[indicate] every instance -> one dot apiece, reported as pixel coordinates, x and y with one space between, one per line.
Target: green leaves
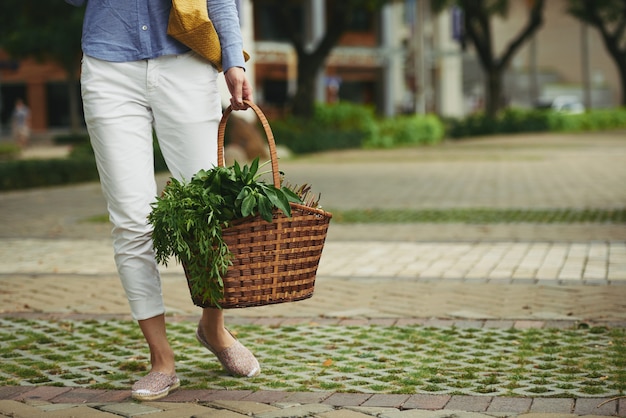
188 219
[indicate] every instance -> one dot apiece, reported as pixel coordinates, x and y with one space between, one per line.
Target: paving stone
432 402
215 413
595 406
516 405
189 395
112 396
11 392
469 403
43 392
56 406
297 411
130 409
184 411
79 395
402 322
354 322
621 407
370 410
499 324
306 397
552 405
386 400
439 323
228 395
17 409
343 413
243 407
474 324
528 324
78 411
417 413
269 322
38 403
267 396
347 399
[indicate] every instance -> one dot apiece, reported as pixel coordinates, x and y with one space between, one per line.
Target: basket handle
268 133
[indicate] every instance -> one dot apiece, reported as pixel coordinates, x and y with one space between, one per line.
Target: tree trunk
74 103
622 75
303 102
493 99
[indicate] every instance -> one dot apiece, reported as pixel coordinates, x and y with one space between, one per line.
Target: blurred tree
477 16
339 14
46 30
609 18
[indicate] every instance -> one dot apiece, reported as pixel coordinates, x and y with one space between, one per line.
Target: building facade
402 59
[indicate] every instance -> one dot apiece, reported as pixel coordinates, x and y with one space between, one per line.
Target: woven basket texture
273 262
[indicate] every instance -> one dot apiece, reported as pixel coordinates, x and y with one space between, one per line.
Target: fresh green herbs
188 219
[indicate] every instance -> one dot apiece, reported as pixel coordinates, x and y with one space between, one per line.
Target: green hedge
80 166
519 120
9 151
408 130
22 174
337 126
71 139
348 125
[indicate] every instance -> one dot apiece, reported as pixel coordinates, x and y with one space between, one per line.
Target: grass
468 216
410 359
480 216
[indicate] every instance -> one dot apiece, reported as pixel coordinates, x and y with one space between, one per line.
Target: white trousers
177 96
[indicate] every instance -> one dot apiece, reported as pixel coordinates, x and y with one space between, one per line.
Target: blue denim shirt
131 30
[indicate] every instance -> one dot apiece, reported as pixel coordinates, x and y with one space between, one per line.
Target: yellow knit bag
189 24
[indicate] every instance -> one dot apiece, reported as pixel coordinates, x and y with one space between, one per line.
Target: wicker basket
272 262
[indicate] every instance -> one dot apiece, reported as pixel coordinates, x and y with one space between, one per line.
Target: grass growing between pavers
468 216
371 359
480 216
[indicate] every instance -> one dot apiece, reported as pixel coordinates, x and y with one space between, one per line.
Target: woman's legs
212 326
178 96
161 353
187 110
119 120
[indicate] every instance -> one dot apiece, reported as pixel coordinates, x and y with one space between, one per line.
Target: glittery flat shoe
154 385
236 359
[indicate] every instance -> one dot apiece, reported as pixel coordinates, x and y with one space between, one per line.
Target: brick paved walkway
499 273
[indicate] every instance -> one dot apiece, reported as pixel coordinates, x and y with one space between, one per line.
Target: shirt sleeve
223 14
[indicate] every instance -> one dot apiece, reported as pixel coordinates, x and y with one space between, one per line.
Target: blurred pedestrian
20 123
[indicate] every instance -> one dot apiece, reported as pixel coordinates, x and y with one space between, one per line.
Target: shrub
9 151
517 120
80 166
408 130
71 139
21 174
337 126
303 137
345 116
522 120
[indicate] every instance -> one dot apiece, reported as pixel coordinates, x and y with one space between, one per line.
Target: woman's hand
239 87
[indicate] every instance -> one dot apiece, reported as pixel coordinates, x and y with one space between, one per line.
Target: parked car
564 104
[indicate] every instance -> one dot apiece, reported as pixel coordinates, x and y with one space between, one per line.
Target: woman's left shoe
236 359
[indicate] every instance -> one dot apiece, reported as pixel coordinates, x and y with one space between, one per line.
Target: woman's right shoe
236 359
154 385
